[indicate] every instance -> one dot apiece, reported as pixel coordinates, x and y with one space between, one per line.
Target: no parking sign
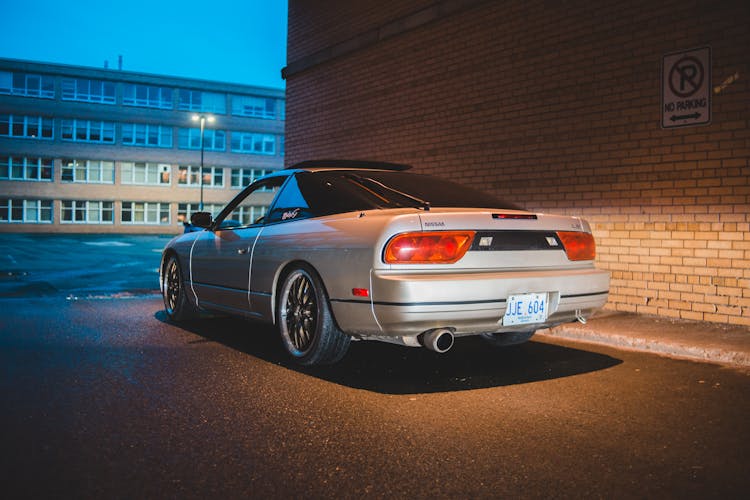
686 88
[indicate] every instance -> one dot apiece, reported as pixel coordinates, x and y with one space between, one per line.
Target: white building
102 150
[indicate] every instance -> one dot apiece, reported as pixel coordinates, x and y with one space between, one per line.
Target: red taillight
437 247
578 245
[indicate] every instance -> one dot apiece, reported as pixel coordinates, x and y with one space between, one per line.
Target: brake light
515 216
437 247
578 245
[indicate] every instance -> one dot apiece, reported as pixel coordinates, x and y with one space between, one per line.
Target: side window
251 206
291 204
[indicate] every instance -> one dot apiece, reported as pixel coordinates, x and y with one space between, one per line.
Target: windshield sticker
291 214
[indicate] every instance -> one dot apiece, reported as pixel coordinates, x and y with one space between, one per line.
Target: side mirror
201 219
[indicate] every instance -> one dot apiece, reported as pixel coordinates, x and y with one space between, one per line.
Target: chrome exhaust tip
438 340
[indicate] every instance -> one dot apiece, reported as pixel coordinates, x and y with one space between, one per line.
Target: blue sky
241 41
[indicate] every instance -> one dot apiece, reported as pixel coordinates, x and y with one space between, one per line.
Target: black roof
354 164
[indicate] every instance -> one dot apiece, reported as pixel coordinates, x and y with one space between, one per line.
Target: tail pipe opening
438 340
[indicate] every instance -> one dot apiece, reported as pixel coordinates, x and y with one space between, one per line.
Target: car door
282 238
221 258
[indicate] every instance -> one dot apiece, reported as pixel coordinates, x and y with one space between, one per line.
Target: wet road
105 398
79 265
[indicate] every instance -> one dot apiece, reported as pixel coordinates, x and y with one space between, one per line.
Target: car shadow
393 369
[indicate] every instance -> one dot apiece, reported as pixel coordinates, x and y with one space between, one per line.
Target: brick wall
555 105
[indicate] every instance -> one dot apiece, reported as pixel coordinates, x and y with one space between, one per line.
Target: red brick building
556 105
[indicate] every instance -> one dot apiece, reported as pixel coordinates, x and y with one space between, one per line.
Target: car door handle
242 251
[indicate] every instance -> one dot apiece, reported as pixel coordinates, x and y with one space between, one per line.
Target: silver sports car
333 251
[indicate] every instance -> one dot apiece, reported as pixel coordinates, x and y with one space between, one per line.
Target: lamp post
202 119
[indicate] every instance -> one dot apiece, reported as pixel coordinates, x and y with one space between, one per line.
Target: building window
80 89
88 171
213 140
146 173
186 210
26 169
207 102
142 134
241 177
26 84
248 214
190 175
28 211
258 107
282 109
88 131
281 145
259 144
87 212
134 212
147 96
30 127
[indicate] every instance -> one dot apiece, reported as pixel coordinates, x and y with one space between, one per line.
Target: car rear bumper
407 304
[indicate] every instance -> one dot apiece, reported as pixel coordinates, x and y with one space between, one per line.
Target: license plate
526 309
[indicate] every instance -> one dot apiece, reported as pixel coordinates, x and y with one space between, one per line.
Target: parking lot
79 265
103 396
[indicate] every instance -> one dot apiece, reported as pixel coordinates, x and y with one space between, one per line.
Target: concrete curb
696 341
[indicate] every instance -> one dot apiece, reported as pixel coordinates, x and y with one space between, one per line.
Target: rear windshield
341 191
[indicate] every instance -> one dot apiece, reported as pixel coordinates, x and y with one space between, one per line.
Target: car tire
507 338
306 325
176 303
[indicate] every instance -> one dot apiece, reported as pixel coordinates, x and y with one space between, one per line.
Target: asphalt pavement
107 398
79 265
104 397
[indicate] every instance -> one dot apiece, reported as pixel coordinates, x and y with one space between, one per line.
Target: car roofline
331 164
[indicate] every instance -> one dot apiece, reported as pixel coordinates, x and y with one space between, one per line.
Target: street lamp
202 119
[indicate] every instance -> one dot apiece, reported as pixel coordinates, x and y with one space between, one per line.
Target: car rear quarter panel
342 249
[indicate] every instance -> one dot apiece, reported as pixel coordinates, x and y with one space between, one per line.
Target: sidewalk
698 341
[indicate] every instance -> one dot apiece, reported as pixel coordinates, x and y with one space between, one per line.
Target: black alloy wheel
176 303
308 330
